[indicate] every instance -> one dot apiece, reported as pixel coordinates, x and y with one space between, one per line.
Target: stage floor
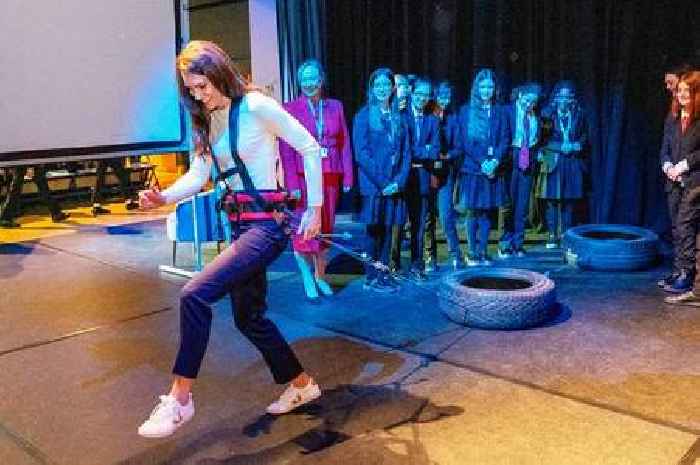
90 328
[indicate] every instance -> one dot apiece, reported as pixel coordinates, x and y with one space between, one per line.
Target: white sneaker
294 397
167 417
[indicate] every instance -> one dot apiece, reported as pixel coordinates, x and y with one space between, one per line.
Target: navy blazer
476 150
512 123
450 136
578 131
380 160
425 148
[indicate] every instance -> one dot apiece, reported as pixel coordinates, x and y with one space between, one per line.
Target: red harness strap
242 207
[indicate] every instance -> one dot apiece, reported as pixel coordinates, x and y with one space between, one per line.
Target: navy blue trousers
239 271
515 216
478 225
377 246
448 215
417 206
555 223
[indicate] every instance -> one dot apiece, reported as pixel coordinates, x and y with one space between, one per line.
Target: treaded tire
611 247
480 307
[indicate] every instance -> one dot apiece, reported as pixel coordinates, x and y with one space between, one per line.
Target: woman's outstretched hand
151 198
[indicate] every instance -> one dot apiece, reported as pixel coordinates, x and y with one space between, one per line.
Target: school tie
524 155
684 123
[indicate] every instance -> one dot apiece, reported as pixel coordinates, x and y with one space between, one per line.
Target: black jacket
677 147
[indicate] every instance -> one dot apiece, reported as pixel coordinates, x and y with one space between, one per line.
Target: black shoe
520 252
688 298
9 224
668 280
504 252
100 210
369 282
389 280
60 216
472 259
131 204
418 275
552 242
682 284
384 285
485 259
457 263
431 266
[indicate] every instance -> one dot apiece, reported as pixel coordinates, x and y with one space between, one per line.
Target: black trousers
239 271
673 198
117 165
431 217
10 207
685 229
378 242
417 209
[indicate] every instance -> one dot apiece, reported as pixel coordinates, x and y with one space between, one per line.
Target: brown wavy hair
208 59
693 80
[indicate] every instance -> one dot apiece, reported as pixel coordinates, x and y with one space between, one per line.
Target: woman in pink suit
325 120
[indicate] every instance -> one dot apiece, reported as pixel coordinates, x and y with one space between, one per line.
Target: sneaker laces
290 394
166 402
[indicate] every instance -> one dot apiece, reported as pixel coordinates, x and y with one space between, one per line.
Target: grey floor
89 329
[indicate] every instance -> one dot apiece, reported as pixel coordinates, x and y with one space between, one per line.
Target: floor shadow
344 263
349 416
560 314
354 424
349 423
12 256
123 230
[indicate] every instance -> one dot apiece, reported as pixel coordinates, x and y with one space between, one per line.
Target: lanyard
318 119
565 130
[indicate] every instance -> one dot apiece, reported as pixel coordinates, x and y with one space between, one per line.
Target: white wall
264 49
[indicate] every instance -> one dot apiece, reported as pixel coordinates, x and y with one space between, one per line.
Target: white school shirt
261 121
519 129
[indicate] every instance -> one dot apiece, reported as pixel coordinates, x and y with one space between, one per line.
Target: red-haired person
682 168
668 157
214 91
324 118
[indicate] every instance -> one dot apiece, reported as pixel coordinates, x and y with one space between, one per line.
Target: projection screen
83 79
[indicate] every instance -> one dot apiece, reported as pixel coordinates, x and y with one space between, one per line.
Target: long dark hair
208 59
433 105
483 74
475 102
375 114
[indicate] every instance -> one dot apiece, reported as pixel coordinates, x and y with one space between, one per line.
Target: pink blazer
336 139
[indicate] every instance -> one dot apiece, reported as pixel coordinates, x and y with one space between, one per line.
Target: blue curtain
301 35
616 51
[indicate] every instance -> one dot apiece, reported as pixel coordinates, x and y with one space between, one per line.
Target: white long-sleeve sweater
261 121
